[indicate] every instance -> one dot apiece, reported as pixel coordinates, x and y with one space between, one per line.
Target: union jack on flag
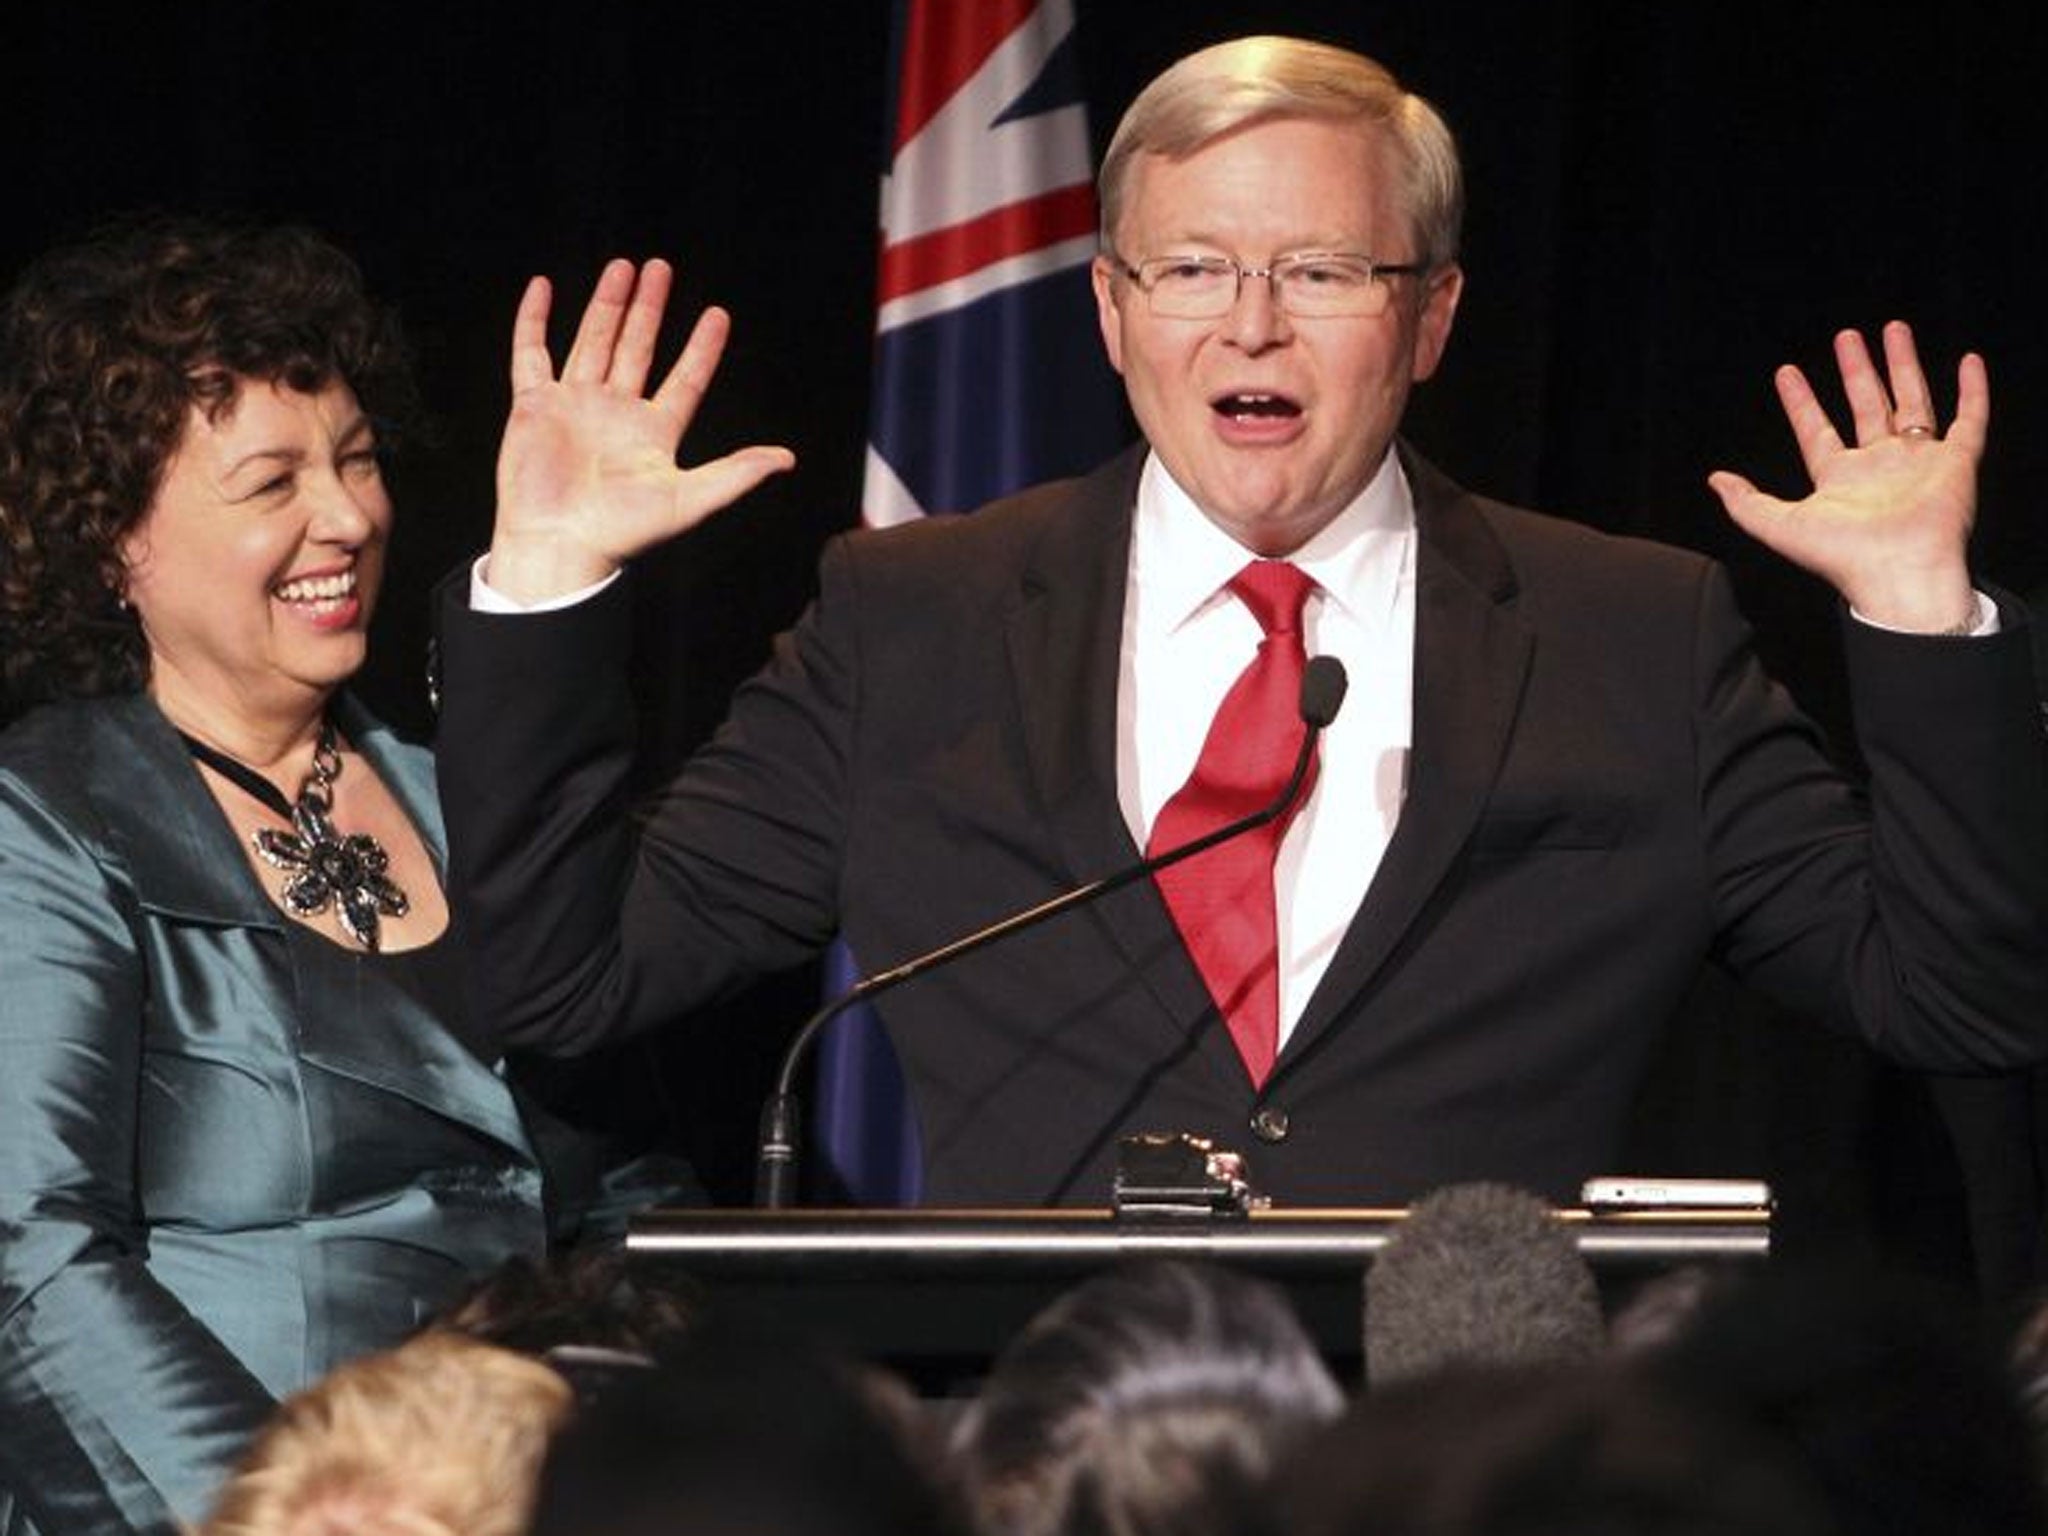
989 373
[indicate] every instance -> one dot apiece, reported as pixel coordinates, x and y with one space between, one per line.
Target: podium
936 1293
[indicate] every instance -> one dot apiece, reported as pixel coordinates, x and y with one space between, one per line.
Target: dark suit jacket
215 1182
1604 789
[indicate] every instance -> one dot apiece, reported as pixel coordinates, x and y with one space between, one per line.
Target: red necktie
1222 899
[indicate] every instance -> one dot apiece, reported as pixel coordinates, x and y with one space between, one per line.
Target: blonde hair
442 1436
1232 85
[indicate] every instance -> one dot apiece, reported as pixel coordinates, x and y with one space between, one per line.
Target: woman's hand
587 471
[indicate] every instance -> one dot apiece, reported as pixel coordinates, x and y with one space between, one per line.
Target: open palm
587 471
1888 520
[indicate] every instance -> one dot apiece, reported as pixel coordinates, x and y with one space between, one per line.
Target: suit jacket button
1269 1124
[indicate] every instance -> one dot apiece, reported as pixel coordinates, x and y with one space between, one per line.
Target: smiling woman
277 505
245 1132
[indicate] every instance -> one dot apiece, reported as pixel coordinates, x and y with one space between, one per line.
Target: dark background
1666 202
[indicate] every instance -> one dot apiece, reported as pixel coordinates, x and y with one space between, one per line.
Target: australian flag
989 373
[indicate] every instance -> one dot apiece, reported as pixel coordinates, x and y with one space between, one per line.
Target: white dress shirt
1185 641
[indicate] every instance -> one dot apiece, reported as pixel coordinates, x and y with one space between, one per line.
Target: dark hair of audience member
584 1313
1892 1393
1478 1275
735 1431
1549 1450
1147 1401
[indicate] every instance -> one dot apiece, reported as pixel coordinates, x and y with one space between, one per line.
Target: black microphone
1322 694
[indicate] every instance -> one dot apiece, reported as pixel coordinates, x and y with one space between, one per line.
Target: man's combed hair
106 348
1255 79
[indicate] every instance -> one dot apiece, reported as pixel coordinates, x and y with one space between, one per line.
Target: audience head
108 348
1147 1401
1543 1451
441 1436
1478 1275
1890 1393
738 1433
1254 79
583 1313
2029 1363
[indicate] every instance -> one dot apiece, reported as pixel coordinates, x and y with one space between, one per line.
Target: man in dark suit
1560 782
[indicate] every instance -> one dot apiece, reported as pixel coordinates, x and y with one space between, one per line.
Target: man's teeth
1255 405
317 589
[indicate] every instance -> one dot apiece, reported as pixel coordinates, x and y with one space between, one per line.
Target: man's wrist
1982 619
486 597
532 573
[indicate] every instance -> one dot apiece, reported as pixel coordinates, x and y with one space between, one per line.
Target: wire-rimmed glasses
1309 285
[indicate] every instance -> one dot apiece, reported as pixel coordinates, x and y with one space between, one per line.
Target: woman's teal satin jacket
212 1186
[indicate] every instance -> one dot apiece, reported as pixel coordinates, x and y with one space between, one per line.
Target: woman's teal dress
232 1153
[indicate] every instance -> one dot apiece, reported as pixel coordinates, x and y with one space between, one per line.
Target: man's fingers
1757 513
1870 407
633 357
1733 489
1912 405
708 487
590 356
684 387
1811 429
531 364
1973 404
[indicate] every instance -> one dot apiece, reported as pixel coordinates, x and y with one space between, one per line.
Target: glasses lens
1313 286
1189 287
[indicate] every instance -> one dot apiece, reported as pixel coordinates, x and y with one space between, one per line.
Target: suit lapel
1471 661
1064 637
1065 640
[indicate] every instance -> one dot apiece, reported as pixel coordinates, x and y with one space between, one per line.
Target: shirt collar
1181 560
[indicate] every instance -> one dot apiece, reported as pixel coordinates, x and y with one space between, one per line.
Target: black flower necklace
323 867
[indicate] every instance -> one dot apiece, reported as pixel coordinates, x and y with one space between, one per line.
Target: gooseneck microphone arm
1322 693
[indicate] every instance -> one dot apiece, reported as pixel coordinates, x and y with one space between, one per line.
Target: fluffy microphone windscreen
1478 1275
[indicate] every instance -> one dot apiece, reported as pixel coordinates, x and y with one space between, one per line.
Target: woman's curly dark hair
105 348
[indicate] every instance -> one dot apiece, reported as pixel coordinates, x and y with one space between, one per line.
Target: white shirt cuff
485 598
1983 622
